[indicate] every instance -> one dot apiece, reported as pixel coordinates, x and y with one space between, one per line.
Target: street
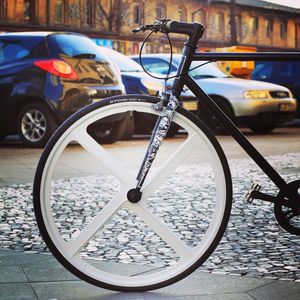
16 159
254 243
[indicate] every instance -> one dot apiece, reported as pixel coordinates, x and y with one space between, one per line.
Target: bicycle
93 225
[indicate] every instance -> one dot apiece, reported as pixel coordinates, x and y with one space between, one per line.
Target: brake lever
142 28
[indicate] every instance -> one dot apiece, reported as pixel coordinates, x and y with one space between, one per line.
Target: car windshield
124 63
209 70
73 45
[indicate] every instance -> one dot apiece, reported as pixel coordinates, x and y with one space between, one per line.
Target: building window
182 14
28 11
160 11
138 12
59 11
297 34
254 25
269 28
220 22
283 29
239 26
88 13
199 17
2 10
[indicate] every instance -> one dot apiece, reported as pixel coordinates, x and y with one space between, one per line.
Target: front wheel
92 228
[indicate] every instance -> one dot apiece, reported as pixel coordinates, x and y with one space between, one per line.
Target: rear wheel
35 124
93 229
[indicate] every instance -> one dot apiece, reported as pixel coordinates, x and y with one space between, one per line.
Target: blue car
45 77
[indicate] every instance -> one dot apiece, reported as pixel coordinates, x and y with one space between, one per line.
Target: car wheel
2 137
107 133
213 124
129 129
35 124
262 128
173 130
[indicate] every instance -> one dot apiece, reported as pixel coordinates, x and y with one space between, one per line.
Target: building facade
259 24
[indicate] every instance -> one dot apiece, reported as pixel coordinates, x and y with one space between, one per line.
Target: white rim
188 255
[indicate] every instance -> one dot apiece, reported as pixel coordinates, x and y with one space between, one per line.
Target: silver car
258 105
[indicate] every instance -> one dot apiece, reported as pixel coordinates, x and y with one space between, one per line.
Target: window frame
61 4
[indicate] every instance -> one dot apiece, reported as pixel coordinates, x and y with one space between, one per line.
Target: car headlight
257 94
151 85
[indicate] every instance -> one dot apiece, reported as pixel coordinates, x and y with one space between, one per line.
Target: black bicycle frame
220 116
225 122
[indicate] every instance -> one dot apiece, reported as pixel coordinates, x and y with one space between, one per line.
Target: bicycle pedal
254 187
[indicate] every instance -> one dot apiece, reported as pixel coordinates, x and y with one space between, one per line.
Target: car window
11 51
21 47
264 70
74 45
289 72
124 63
156 65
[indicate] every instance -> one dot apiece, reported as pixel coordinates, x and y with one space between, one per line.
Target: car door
289 76
11 51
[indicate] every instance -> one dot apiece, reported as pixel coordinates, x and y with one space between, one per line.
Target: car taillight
57 67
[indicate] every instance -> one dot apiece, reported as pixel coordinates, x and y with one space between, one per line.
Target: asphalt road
18 164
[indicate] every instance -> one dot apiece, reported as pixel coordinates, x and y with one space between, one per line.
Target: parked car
137 81
45 77
286 73
258 105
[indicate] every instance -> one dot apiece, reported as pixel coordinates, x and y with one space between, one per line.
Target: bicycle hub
134 195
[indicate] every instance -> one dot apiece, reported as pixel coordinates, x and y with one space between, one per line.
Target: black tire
262 128
35 124
2 137
173 130
212 123
129 129
107 133
40 182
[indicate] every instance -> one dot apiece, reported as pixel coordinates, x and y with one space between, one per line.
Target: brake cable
170 62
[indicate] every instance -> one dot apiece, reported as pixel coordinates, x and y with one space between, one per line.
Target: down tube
236 134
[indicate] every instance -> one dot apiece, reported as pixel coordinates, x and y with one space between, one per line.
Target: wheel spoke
162 230
169 166
30 117
96 150
96 224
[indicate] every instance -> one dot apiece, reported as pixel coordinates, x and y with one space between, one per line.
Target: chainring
287 217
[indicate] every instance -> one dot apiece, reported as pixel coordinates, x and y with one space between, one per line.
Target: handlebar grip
190 29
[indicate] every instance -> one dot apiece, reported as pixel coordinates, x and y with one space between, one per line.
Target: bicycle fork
161 128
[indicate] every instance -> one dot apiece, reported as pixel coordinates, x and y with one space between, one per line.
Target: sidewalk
40 276
25 275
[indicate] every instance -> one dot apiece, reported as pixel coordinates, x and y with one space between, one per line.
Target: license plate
286 107
190 105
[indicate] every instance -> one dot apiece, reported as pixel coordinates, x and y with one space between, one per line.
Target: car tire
212 123
107 133
172 130
129 129
262 128
35 124
2 137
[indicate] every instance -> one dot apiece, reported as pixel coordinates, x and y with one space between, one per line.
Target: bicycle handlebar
194 30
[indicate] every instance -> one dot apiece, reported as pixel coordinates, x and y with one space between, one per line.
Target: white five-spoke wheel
90 226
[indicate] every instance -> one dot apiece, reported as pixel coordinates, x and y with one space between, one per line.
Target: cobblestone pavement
253 245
